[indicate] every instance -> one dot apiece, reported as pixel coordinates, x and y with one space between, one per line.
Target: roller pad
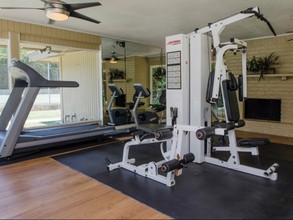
164 134
253 142
175 164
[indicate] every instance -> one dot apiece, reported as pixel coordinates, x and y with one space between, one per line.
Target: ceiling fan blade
83 17
83 5
20 8
53 1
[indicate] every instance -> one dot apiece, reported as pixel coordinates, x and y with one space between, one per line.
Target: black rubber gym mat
203 191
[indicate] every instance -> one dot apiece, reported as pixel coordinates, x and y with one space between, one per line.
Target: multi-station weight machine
191 90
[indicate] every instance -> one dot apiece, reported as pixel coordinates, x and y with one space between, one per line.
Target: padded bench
253 142
158 131
152 128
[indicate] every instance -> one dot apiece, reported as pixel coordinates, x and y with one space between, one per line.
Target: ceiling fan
113 58
57 10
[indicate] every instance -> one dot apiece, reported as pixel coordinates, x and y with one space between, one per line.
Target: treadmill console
140 89
114 88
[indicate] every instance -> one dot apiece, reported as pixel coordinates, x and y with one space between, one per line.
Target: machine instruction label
174 70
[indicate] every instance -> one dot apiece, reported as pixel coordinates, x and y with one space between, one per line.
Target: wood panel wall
48 35
121 83
142 75
83 101
81 67
137 71
273 86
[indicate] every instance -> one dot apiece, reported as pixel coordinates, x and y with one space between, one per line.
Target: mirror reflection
124 64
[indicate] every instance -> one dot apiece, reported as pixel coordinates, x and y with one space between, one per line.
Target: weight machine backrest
229 88
230 100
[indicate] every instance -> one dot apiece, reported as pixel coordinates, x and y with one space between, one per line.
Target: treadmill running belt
57 131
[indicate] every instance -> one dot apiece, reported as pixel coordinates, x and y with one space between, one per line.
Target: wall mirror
125 63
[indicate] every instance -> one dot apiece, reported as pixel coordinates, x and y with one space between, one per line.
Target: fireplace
263 109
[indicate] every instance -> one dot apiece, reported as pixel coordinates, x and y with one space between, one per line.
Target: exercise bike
124 116
143 117
118 116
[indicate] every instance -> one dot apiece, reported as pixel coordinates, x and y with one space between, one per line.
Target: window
158 83
4 86
46 109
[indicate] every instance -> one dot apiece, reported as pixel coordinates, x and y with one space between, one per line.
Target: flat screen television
263 109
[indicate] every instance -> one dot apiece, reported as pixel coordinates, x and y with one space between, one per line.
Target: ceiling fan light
57 14
113 59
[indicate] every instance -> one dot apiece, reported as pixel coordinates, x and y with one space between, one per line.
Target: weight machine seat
152 128
158 108
254 142
130 105
158 131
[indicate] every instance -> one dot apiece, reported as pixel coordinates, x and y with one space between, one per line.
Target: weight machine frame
193 66
151 169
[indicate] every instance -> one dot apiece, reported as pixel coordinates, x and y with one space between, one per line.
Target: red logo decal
174 42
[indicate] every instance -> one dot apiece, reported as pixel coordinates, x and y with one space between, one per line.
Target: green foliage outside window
159 83
40 67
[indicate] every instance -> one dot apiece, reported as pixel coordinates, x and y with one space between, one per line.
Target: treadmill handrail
23 72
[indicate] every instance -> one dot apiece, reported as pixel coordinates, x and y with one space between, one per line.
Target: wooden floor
44 189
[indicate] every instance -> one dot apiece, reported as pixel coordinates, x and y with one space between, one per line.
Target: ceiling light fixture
113 59
47 50
56 12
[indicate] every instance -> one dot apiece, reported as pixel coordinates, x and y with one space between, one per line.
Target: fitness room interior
131 109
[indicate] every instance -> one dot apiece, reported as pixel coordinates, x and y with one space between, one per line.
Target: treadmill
13 139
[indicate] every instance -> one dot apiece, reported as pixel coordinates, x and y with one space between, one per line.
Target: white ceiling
148 22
